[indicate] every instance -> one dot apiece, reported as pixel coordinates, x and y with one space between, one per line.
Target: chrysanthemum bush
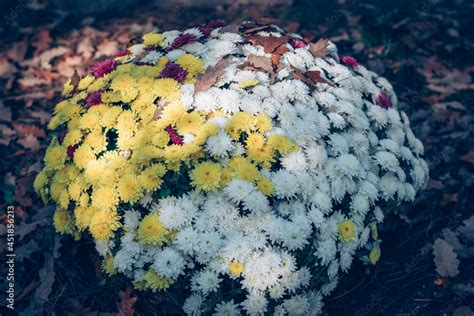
243 166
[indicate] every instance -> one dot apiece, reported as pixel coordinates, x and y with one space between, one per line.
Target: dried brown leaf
258 63
210 77
231 28
269 43
85 48
125 306
320 48
276 55
23 130
29 142
106 48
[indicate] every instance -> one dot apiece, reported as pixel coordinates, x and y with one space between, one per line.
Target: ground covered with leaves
424 48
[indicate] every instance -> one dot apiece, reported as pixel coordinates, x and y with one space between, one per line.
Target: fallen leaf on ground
125 306
445 259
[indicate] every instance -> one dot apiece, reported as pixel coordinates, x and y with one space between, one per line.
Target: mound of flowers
241 165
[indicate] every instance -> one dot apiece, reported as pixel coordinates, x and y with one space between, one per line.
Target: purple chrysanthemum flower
93 98
181 40
297 43
174 137
71 150
174 71
104 67
383 100
350 61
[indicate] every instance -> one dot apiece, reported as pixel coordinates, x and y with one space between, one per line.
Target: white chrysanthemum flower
250 103
205 101
151 58
297 305
294 161
255 304
193 306
186 240
326 250
175 54
169 263
205 281
219 145
286 184
256 202
229 100
387 160
131 219
227 309
237 190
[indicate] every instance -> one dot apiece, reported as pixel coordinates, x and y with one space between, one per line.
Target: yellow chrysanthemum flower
263 123
282 144
94 170
206 176
55 156
160 139
126 122
104 198
83 216
189 123
151 231
172 112
374 255
152 177
191 64
40 182
68 87
265 186
96 140
246 171
128 188
226 177
90 120
248 83
152 39
125 85
85 82
103 224
373 231
109 118
83 155
240 122
72 137
347 230
262 155
167 88
63 222
235 269
107 265
155 282
98 83
254 141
